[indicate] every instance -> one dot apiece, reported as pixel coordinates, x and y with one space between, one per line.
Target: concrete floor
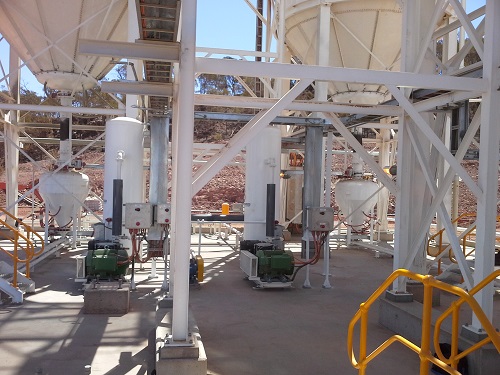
244 331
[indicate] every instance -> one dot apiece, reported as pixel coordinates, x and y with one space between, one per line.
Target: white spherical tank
263 157
62 193
363 35
123 160
351 194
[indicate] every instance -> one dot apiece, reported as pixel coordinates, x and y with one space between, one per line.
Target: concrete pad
106 297
245 331
417 289
179 358
406 319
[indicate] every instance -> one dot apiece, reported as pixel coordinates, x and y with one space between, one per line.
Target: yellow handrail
29 249
424 351
493 335
463 236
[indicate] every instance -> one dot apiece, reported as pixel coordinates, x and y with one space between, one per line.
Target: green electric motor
106 260
274 264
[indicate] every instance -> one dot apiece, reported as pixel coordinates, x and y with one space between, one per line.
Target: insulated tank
62 193
351 194
123 160
263 158
363 35
45 34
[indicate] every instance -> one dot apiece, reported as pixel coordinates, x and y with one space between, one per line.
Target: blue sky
229 24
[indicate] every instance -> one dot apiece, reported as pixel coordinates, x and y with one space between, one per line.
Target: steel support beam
55 109
434 139
184 163
164 51
298 105
324 73
11 131
248 132
488 161
365 156
443 213
138 88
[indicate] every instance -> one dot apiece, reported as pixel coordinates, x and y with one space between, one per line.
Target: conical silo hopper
62 193
363 35
45 34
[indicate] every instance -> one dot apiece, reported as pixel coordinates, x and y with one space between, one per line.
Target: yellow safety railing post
28 248
363 338
16 259
454 335
426 358
425 346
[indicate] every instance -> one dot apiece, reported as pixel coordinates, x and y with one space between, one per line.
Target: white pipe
184 162
328 203
55 109
199 235
307 239
164 285
133 34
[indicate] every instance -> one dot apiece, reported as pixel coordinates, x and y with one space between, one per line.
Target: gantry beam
157 51
139 88
324 73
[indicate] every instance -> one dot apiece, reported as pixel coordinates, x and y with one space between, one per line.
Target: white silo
45 34
364 35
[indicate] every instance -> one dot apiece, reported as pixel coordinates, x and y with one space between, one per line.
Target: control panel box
138 215
320 219
163 214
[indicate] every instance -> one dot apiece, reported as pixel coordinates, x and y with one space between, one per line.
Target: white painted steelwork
183 127
123 160
364 35
45 33
262 168
62 193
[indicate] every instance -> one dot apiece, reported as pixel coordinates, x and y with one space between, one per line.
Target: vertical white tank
59 192
263 156
123 160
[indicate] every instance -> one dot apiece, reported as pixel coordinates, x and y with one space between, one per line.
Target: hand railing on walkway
436 247
22 237
424 351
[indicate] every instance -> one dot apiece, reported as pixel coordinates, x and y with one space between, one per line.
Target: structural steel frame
417 137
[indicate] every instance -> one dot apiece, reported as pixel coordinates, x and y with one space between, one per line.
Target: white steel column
450 49
158 179
384 139
133 34
11 132
488 161
414 195
184 163
314 150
